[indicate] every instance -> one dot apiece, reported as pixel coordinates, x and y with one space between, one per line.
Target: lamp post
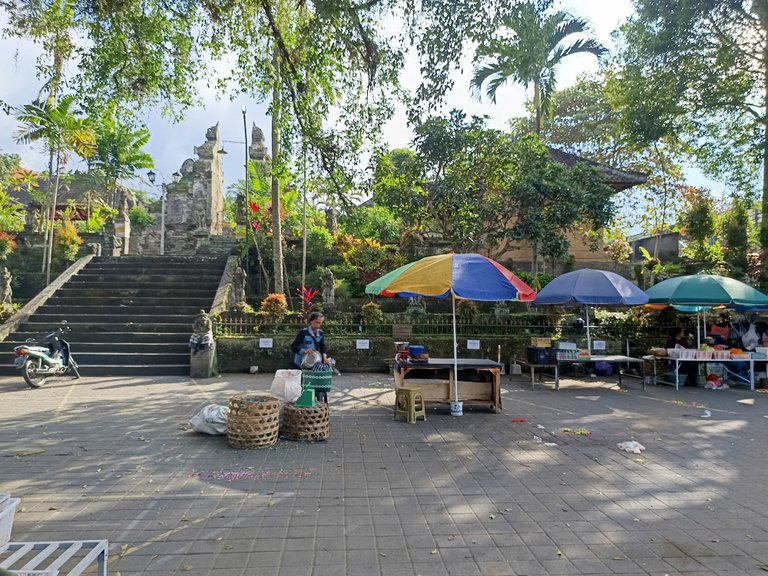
164 190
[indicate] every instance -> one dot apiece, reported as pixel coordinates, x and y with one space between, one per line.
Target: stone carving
328 291
6 293
94 248
212 133
187 166
202 324
258 149
238 284
202 362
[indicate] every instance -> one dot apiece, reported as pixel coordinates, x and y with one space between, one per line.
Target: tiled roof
616 178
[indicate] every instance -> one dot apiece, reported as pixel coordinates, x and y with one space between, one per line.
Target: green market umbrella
705 290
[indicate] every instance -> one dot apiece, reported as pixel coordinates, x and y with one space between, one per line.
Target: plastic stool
406 400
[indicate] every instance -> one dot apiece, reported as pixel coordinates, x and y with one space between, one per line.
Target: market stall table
750 379
481 383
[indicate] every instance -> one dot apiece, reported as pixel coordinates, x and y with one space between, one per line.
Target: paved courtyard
478 494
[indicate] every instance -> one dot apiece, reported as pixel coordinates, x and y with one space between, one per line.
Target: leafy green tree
698 69
372 222
536 43
552 200
119 153
56 125
698 226
587 121
735 234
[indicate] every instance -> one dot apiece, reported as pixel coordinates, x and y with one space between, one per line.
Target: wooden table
479 380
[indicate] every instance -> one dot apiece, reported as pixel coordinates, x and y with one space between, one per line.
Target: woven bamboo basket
317 380
306 423
253 421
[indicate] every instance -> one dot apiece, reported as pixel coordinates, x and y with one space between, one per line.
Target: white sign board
598 344
363 344
265 342
473 344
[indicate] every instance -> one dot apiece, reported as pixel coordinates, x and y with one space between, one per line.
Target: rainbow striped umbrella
462 276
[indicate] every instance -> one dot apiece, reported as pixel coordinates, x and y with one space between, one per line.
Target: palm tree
56 125
119 154
532 54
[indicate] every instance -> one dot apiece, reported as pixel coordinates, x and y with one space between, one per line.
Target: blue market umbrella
590 288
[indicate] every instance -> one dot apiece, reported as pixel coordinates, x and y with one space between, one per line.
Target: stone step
139 292
109 370
138 306
76 304
77 326
144 281
110 337
78 348
120 316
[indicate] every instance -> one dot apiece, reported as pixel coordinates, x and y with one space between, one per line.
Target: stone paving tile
450 496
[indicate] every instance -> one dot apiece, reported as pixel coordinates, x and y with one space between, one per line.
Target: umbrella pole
698 330
589 337
455 351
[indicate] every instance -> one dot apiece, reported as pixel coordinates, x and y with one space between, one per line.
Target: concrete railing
13 323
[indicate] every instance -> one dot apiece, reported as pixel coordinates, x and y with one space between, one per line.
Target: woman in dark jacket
310 339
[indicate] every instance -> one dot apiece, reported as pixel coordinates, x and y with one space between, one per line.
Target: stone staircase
129 316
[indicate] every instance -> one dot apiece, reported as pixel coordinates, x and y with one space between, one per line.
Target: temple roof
616 178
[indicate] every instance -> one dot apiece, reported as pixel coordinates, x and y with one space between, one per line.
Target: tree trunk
764 221
53 219
277 234
537 107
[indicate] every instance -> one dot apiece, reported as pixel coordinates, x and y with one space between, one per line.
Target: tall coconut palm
55 124
532 52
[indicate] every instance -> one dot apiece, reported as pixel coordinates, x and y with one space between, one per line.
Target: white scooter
45 357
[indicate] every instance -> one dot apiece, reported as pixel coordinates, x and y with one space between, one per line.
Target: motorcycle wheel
73 366
29 371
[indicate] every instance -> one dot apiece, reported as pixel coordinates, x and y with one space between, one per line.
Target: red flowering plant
307 296
7 244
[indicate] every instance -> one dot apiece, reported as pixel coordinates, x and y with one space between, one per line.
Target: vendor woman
689 369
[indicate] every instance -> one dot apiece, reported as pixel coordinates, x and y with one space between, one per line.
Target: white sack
212 419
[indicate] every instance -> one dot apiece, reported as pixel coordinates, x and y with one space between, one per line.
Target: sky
173 142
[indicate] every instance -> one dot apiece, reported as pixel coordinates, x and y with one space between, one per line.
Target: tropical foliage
527 49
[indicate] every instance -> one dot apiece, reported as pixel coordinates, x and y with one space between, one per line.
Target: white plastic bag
631 446
311 358
286 386
212 419
750 340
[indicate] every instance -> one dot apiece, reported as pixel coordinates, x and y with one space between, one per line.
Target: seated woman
689 369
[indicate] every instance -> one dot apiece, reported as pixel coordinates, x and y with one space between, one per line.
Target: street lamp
164 188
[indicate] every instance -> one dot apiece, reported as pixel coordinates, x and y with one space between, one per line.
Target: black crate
541 355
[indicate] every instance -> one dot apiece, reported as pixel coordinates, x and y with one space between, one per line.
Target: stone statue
238 284
202 360
328 291
94 248
202 325
6 293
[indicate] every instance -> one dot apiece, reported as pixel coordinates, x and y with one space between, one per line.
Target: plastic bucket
457 408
